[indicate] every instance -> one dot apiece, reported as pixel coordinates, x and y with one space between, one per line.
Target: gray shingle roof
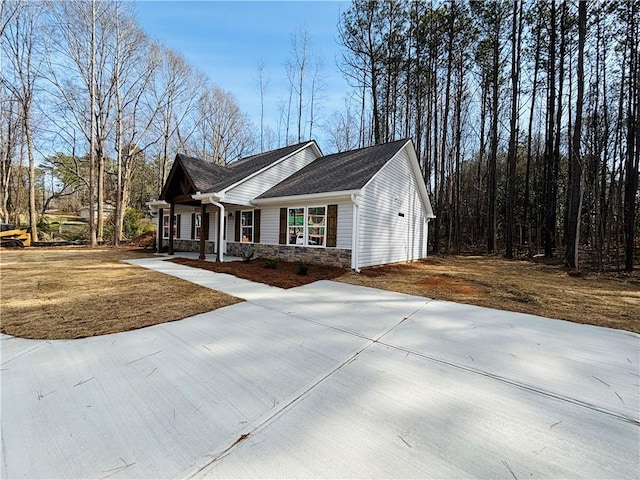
246 166
338 172
208 177
204 175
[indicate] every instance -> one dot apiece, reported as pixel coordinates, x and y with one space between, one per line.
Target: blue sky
226 39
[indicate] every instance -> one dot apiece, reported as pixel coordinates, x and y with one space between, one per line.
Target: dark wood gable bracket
178 189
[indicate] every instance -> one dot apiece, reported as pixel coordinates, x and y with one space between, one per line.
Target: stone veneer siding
338 257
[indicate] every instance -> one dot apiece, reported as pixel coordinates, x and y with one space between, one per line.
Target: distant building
107 208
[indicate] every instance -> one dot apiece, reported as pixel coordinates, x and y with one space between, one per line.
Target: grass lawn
56 293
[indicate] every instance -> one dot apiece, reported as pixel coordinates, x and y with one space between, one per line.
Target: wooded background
524 115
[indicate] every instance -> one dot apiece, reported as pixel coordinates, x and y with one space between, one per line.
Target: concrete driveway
325 380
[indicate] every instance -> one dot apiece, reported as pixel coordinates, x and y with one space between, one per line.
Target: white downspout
355 233
426 246
220 228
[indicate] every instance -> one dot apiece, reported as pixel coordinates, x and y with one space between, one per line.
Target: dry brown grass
609 300
55 293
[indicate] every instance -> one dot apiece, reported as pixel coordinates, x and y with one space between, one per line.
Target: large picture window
307 226
246 225
316 226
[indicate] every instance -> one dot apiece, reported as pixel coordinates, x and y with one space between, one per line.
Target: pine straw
608 300
56 293
285 275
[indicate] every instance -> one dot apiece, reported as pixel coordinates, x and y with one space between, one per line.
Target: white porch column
221 233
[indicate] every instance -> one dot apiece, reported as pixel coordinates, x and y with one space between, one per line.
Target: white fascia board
280 160
413 158
206 197
216 197
297 199
382 168
415 166
158 204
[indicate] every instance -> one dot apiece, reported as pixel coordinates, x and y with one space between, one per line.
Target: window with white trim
316 226
246 226
306 226
166 226
295 226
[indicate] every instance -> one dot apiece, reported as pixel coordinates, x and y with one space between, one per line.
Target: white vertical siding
185 225
345 226
213 226
255 186
385 236
231 223
269 225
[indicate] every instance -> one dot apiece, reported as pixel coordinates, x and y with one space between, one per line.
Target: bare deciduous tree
20 34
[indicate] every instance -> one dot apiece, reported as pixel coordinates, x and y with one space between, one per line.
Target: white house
107 208
354 209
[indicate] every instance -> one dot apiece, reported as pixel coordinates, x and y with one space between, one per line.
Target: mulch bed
285 275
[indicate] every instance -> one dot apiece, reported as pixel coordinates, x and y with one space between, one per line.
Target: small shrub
247 255
271 263
147 225
303 268
131 223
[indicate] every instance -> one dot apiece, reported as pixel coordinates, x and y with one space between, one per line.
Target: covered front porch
193 225
189 220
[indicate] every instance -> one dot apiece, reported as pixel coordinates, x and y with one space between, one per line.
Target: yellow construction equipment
14 237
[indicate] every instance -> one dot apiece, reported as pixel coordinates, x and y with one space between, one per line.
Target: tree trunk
633 141
550 180
33 214
513 133
118 214
527 178
492 241
92 134
575 191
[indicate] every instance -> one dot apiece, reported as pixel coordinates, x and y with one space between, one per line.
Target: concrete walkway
325 380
